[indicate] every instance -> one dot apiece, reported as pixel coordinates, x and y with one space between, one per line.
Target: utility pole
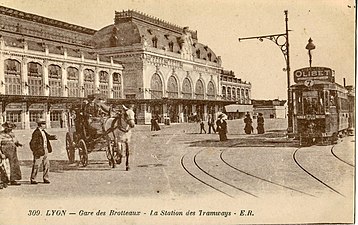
284 46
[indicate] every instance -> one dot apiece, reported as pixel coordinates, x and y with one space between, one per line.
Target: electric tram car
321 107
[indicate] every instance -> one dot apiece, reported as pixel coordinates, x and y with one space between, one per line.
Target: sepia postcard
177 112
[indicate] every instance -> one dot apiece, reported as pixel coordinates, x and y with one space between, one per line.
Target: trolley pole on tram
281 40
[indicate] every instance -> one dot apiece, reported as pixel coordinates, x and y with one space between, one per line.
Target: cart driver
96 106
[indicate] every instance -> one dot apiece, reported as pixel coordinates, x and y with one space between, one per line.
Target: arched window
34 73
12 77
155 42
88 82
117 88
233 93
223 91
247 95
187 90
211 90
198 53
156 87
242 96
172 87
103 82
199 90
228 93
55 80
171 46
72 82
238 94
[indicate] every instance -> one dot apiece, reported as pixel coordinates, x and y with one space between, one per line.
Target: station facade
46 64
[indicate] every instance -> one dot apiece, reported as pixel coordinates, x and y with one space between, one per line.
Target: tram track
260 178
340 159
221 185
312 175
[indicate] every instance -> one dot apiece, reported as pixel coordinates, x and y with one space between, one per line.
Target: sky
219 23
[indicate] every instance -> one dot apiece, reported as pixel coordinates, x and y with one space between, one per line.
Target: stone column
24 77
45 78
96 79
2 68
25 117
64 80
110 84
81 81
205 112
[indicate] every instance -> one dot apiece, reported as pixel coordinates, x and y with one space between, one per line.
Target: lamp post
284 46
310 46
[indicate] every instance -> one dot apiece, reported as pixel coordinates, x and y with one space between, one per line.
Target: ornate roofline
44 20
152 20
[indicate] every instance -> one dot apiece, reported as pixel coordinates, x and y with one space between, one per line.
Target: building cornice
44 20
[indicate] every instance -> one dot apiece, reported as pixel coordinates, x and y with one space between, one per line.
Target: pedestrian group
40 145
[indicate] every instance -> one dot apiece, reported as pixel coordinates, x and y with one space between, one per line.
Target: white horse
119 132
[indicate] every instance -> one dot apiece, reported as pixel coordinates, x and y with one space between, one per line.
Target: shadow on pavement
60 166
269 139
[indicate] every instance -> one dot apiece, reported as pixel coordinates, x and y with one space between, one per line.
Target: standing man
40 147
248 124
211 123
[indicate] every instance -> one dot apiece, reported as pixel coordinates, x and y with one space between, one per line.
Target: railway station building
162 68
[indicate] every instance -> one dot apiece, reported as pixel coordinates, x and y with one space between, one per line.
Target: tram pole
275 38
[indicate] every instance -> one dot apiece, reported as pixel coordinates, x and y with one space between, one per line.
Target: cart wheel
117 152
82 150
109 153
70 148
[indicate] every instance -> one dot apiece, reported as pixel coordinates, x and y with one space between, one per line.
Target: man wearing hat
8 147
40 147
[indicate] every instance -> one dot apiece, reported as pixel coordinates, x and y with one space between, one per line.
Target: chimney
344 82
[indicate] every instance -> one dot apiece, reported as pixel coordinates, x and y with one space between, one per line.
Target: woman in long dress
8 147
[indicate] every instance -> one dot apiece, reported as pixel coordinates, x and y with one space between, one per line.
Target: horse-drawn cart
87 134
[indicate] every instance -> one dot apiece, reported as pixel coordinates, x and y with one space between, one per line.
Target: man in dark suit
41 147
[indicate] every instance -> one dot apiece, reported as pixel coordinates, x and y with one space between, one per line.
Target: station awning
238 108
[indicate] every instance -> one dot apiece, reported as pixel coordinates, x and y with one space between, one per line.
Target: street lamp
310 46
284 46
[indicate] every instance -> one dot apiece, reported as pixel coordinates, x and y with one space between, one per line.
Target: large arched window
103 82
238 94
223 91
242 96
211 90
199 90
12 77
228 97
156 87
233 93
187 90
35 83
55 80
117 89
88 82
73 82
172 87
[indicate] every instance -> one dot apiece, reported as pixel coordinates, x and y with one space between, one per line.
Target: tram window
332 100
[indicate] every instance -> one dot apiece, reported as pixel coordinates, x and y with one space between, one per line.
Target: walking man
211 123
41 147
